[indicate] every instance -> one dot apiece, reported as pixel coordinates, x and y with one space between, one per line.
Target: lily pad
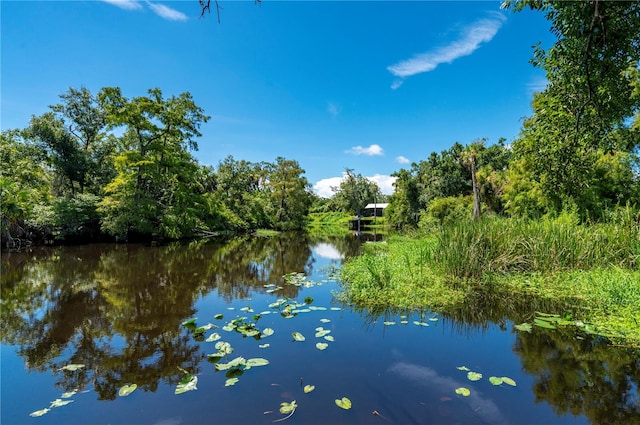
59 402
433 319
69 394
213 337
508 381
344 403
474 376
39 413
404 322
329 338
231 381
257 361
463 391
336 308
322 332
388 323
224 347
297 336
322 345
466 369
288 407
125 390
267 332
325 320
218 316
237 362
187 383
264 345
72 367
308 388
495 380
525 327
543 323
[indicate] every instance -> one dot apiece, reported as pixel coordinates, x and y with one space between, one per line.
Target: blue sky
370 86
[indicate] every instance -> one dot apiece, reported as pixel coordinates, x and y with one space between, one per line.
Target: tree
289 193
404 204
469 160
151 195
355 192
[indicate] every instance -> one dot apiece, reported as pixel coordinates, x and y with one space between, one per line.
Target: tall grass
472 249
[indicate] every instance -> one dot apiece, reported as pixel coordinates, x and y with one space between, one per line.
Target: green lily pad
325 320
308 388
213 337
543 324
257 361
69 394
388 323
39 413
336 308
187 383
237 362
463 391
329 338
466 369
72 367
191 323
404 322
474 376
247 309
317 308
224 347
322 345
495 380
525 327
308 300
264 345
288 407
433 319
508 381
322 332
59 403
125 390
344 403
218 316
297 336
231 381
415 322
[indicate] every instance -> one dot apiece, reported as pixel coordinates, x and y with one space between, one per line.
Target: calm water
118 310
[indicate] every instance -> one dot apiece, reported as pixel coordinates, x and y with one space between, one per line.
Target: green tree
151 194
289 193
404 204
355 192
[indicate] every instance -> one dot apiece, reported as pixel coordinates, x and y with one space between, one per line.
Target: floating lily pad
224 347
125 390
247 309
72 367
344 403
325 320
213 337
336 308
463 391
474 376
404 322
69 394
187 383
415 322
297 336
237 362
231 381
388 323
322 332
433 319
308 388
218 316
316 308
191 323
466 369
508 381
231 308
59 403
39 413
257 361
288 407
543 324
525 327
322 345
308 300
495 380
329 338
263 345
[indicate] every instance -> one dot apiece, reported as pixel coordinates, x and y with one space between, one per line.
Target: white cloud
125 4
333 108
326 250
402 160
384 182
537 85
479 32
323 187
166 12
370 151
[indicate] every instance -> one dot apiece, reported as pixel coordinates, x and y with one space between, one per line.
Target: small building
374 210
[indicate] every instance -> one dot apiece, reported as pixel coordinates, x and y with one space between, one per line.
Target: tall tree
289 192
355 192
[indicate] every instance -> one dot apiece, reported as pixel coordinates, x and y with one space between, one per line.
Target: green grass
591 270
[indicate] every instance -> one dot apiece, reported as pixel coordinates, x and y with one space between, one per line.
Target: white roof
383 206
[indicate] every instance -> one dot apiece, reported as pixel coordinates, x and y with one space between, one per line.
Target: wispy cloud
481 31
125 4
333 108
166 12
370 151
402 160
537 85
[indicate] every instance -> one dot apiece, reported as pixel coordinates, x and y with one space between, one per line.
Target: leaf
463 391
495 380
433 319
474 376
325 320
543 324
231 381
39 413
525 327
263 345
322 332
336 308
287 407
308 300
69 394
257 361
187 383
329 338
59 403
308 388
463 368
190 324
388 323
344 403
223 347
72 367
218 316
322 345
125 390
238 361
297 336
508 381
213 337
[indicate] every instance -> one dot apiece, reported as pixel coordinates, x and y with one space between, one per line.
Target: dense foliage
106 166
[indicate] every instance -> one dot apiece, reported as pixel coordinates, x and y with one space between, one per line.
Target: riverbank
586 274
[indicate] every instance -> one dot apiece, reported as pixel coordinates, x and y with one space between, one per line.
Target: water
118 309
